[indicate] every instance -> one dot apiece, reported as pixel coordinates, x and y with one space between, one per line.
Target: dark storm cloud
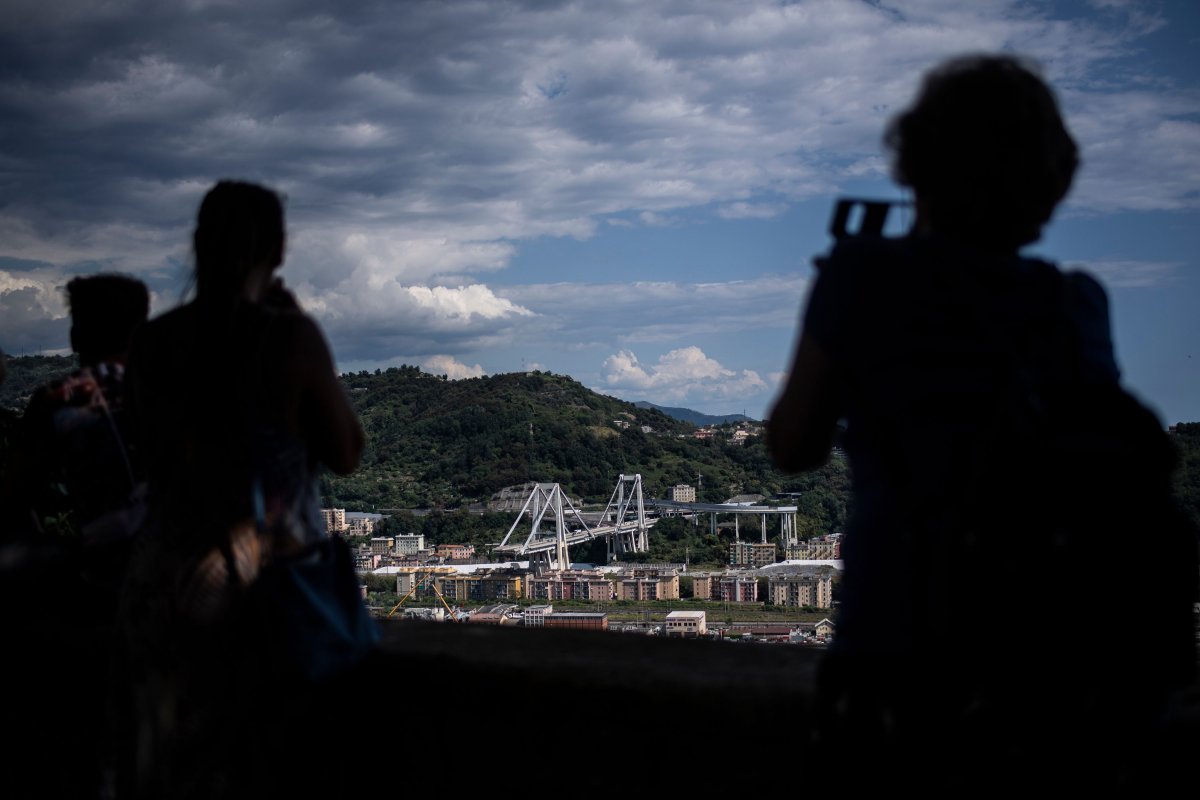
419 143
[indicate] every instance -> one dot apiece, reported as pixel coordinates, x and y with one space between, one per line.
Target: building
455 552
682 493
686 623
702 583
407 576
801 589
751 554
731 587
535 616
365 560
363 523
408 544
647 585
736 587
502 614
588 621
434 614
380 545
571 584
821 548
334 519
484 585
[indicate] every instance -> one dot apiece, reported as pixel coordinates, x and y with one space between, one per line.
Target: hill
434 442
694 417
26 373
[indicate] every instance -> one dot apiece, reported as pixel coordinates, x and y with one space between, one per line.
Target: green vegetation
26 373
1187 477
445 444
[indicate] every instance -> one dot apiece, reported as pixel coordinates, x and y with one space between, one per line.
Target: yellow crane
418 582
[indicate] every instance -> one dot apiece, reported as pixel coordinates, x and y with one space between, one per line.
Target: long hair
240 226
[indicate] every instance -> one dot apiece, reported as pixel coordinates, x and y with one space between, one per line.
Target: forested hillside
440 443
435 443
26 373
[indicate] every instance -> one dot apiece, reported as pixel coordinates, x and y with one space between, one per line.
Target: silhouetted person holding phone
997 467
238 406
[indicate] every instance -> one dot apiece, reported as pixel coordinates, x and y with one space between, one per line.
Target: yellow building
648 585
802 589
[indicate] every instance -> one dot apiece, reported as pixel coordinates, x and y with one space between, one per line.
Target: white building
409 544
682 493
686 623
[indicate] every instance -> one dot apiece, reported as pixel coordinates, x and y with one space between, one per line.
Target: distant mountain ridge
695 417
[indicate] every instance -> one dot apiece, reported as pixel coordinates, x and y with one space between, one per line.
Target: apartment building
732 587
737 587
408 544
801 589
702 583
484 585
682 493
571 584
455 552
334 520
751 554
648 585
407 576
823 548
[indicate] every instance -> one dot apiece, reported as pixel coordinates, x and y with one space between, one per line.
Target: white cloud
653 220
742 210
1138 151
656 311
452 368
678 375
369 319
417 154
33 315
1131 274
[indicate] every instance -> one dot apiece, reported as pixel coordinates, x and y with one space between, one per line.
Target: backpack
1073 519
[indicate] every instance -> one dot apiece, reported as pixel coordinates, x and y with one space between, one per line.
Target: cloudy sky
626 192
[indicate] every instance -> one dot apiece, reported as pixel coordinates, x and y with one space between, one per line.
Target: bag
1075 485
310 611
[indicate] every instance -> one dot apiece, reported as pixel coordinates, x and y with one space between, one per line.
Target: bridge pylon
547 504
630 533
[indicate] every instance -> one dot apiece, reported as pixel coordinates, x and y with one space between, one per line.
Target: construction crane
418 582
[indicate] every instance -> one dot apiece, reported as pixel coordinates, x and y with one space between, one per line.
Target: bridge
786 514
556 525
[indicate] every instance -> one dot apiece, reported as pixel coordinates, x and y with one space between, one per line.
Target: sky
629 193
